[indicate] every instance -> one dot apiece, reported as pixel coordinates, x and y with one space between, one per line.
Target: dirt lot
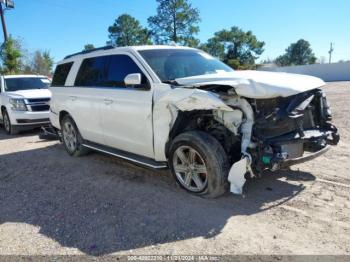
53 204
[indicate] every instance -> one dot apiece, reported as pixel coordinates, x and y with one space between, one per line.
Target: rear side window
107 71
92 72
61 74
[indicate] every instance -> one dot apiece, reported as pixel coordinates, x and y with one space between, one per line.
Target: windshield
170 64
26 83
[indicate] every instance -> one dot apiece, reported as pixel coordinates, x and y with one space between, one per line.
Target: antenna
330 53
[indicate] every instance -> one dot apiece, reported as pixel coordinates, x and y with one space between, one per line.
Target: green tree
88 47
299 53
11 56
235 47
42 63
127 31
176 21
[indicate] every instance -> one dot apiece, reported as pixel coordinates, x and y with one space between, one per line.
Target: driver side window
119 67
108 71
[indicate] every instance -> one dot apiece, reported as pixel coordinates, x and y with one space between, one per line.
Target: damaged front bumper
295 148
287 132
282 152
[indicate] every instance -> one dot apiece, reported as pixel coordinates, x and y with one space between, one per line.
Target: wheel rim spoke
188 178
182 156
200 169
190 169
180 168
197 180
192 156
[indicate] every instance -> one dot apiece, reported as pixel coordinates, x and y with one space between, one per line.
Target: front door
127 111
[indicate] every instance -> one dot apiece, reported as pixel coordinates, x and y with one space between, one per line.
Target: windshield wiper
171 82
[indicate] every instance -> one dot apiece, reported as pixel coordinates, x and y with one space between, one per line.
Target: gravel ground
53 204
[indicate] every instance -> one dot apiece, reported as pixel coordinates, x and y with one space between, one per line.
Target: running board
144 161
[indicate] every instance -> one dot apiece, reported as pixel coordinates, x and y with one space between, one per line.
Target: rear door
126 112
84 98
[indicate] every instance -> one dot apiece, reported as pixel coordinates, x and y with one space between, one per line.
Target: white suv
177 107
24 102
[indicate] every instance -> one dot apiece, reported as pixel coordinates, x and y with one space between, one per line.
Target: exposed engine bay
260 134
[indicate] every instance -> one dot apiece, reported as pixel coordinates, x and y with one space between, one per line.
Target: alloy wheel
7 124
70 136
190 169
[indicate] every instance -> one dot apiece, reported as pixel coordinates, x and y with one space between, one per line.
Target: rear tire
9 128
72 140
199 164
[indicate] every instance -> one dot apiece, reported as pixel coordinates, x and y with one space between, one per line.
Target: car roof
24 76
100 50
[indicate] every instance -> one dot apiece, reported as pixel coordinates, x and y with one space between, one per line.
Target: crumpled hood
33 93
257 84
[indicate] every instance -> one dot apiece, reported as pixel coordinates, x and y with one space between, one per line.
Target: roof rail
90 51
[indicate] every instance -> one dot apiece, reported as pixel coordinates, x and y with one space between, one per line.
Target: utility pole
3 22
330 53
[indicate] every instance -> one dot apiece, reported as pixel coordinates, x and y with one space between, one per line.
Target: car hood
33 93
257 84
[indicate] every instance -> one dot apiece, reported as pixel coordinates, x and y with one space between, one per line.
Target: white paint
34 93
255 84
327 72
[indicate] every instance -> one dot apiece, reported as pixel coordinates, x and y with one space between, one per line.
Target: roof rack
90 51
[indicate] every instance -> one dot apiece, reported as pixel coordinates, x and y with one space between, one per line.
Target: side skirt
143 161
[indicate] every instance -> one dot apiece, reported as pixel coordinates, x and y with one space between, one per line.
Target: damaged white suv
177 107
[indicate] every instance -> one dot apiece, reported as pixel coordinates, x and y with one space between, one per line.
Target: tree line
177 21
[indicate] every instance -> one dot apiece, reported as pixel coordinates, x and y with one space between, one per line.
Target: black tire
74 148
211 153
9 128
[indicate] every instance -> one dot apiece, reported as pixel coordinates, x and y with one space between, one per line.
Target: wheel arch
193 121
3 108
62 114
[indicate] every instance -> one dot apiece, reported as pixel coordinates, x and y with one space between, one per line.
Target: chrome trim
126 158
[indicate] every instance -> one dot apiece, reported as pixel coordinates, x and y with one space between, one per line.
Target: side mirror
132 80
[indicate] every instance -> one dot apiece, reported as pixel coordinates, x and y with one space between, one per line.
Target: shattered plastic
236 177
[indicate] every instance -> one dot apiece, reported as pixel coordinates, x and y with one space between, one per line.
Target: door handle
73 98
108 101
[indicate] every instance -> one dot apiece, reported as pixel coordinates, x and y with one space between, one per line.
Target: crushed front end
291 130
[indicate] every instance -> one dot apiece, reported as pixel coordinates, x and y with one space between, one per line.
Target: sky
65 26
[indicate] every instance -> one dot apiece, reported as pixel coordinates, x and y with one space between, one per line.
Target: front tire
72 140
199 164
9 128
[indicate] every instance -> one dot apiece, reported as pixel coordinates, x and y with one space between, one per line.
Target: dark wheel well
203 120
62 115
3 108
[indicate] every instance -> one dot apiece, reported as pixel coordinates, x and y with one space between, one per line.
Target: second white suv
177 107
24 102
